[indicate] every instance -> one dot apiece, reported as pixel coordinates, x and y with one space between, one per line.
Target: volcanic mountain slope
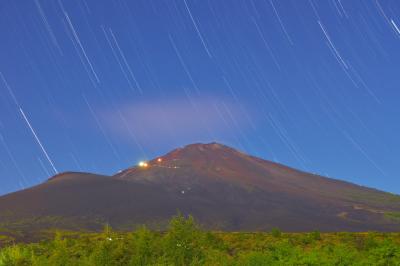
221 187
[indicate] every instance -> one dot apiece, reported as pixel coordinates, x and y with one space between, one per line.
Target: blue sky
98 85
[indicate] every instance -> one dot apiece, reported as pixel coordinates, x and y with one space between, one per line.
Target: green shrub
255 259
184 243
315 235
217 258
275 232
59 255
144 247
387 253
15 255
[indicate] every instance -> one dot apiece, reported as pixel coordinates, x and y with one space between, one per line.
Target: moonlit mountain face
224 189
99 85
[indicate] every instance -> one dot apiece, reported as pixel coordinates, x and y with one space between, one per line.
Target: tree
183 241
143 247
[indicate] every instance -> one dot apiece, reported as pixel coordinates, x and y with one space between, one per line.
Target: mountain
224 189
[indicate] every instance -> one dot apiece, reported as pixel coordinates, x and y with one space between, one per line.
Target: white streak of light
332 45
197 29
38 141
81 46
48 27
9 90
126 62
280 22
12 159
395 26
183 64
43 167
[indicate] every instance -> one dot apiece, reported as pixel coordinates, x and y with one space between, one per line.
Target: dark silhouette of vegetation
276 232
184 243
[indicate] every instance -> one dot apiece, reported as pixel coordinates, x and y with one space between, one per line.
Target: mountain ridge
223 188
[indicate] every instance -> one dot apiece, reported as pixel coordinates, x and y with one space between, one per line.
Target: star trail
97 86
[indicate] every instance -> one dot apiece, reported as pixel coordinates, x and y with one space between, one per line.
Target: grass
393 216
374 199
184 243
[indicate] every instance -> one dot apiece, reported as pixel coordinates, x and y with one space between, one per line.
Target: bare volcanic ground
224 189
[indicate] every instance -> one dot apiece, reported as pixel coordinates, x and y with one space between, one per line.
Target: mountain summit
224 189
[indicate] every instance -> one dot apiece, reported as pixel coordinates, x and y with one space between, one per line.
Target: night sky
98 85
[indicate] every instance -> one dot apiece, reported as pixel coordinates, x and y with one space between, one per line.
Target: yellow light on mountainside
143 164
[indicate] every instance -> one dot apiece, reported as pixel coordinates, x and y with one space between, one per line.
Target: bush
255 259
144 247
184 243
315 235
59 255
15 255
387 253
275 232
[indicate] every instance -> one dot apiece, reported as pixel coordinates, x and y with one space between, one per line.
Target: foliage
184 243
393 215
276 232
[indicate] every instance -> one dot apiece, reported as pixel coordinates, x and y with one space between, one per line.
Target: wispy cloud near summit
176 121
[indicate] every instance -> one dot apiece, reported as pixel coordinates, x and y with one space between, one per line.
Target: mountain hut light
143 164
